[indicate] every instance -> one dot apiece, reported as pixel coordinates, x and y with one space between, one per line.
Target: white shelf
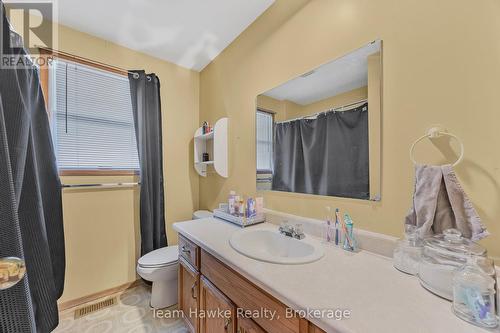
206 136
215 144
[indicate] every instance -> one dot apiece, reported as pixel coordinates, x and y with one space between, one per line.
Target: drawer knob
227 321
12 271
193 293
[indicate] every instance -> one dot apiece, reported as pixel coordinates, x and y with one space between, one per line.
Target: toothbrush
350 242
337 226
328 223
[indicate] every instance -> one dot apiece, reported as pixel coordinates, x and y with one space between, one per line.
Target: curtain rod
103 185
338 108
95 62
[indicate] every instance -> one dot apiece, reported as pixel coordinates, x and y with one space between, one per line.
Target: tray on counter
239 220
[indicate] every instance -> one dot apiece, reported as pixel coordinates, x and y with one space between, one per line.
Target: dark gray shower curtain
31 225
146 105
327 155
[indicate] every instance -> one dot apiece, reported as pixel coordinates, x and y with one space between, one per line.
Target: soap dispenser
408 251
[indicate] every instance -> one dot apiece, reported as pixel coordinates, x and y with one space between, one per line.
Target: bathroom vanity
378 298
207 284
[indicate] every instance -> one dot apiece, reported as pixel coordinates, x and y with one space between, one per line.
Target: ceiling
336 77
189 33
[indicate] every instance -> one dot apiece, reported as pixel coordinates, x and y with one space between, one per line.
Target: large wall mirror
320 132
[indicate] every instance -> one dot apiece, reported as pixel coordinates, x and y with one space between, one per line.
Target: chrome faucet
292 231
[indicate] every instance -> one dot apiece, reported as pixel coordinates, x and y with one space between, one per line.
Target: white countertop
380 298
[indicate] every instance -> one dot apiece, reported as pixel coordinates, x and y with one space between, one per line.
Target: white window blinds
264 134
92 121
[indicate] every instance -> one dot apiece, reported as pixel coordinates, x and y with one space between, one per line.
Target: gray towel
440 203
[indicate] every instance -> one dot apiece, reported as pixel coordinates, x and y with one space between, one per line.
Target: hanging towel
440 203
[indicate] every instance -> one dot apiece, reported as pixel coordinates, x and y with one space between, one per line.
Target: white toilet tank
201 214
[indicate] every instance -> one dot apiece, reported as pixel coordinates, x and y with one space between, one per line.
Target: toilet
161 267
201 214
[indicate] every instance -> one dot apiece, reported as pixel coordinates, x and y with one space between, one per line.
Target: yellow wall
441 66
101 226
272 105
101 231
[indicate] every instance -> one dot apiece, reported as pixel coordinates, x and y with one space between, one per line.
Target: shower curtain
31 224
146 106
327 155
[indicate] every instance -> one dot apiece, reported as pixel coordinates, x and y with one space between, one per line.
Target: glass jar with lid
442 255
474 294
408 251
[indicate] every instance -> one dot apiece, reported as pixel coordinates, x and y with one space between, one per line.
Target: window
92 121
264 142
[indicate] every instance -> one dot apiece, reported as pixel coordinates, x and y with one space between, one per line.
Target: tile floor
132 314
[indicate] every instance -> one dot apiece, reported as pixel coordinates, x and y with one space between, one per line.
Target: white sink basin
271 246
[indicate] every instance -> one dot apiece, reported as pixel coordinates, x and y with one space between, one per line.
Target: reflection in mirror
320 132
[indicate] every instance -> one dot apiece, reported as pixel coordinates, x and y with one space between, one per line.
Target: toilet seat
163 257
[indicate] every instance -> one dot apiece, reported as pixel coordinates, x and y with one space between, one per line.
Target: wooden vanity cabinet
246 325
189 291
206 285
217 312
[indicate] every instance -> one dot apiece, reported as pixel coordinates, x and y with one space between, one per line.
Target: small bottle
250 208
259 206
237 205
231 202
474 295
242 207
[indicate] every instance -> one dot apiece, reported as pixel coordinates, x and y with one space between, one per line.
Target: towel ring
436 132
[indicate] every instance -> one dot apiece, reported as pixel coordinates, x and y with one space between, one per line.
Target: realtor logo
31 28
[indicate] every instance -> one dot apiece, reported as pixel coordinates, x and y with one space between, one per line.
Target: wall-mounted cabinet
215 145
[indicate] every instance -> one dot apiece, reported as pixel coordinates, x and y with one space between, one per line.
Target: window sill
96 172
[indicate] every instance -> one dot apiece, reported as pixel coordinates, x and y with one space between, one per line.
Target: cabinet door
217 312
246 325
189 284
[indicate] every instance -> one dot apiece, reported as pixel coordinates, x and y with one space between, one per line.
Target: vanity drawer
189 251
247 296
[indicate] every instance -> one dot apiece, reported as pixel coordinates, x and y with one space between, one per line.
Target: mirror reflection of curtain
327 155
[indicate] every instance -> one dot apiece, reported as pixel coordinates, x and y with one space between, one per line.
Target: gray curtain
327 155
145 92
31 225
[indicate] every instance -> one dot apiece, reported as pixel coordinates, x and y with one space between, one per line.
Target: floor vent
91 308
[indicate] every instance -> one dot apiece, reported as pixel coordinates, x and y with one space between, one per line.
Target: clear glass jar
408 251
474 295
442 255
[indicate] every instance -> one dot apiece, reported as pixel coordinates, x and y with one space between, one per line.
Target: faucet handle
285 227
298 232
